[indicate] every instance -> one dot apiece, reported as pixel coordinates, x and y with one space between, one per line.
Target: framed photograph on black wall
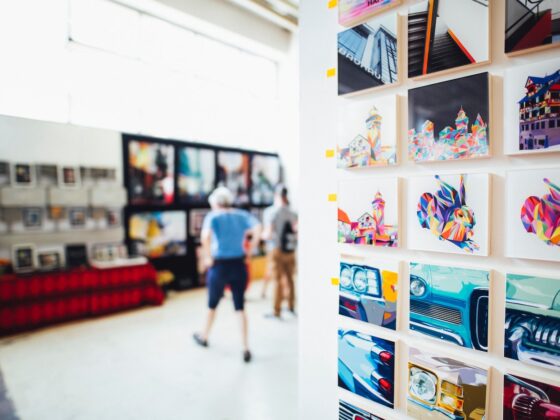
266 174
196 174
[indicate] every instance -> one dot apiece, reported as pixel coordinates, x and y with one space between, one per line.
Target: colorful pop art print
196 176
447 34
233 173
531 25
449 120
450 304
449 213
368 55
367 132
533 214
351 12
440 387
532 326
368 211
347 411
368 290
158 233
266 174
530 399
532 108
366 366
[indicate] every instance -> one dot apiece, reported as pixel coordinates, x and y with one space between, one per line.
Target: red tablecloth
31 301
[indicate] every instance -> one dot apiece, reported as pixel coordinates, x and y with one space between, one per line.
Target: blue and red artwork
541 216
447 215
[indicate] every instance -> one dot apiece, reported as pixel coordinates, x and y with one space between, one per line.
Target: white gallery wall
319 252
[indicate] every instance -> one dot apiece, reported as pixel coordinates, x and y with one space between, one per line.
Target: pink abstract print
351 10
453 143
541 216
447 215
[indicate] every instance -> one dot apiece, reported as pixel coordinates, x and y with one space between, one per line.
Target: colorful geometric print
541 216
447 215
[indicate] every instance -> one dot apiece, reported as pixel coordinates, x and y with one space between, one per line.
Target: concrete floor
143 364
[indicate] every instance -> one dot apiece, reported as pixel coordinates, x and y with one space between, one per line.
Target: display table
34 300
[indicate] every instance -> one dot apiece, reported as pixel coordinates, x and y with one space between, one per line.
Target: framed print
368 290
450 304
234 174
531 108
367 132
530 399
447 34
450 120
151 173
197 174
533 214
23 175
533 320
351 12
106 252
442 387
47 175
23 258
449 213
531 26
32 217
4 173
69 176
77 217
158 234
368 212
266 174
368 55
114 217
49 259
76 255
366 366
196 218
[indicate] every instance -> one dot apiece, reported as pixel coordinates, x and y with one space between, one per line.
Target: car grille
345 413
433 310
479 319
523 407
547 333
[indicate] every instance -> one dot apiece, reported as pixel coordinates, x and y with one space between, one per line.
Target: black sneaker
247 356
199 340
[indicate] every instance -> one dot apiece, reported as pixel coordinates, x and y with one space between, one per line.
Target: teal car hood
534 294
441 283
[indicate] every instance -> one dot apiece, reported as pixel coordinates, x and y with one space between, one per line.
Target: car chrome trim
456 337
525 303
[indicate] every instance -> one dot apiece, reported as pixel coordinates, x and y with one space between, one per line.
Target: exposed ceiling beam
280 12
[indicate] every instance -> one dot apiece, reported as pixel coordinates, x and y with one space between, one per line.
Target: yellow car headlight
452 389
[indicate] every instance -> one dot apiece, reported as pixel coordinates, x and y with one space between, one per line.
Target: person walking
280 227
224 231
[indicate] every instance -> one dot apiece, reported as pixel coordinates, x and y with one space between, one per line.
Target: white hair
221 197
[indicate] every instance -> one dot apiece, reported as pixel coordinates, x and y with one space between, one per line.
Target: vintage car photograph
529 399
368 293
444 388
450 304
366 366
532 327
347 411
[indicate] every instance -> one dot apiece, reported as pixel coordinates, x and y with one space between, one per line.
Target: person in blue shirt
225 230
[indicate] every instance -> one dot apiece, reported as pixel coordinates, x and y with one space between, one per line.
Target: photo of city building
367 55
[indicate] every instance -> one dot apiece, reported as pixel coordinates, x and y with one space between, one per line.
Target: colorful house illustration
539 113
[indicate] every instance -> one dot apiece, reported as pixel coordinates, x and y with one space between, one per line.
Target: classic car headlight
452 389
423 385
450 403
417 287
346 278
373 283
360 281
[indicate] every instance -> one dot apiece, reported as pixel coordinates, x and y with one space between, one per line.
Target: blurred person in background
223 237
280 227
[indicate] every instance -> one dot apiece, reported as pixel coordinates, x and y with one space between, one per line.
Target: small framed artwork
106 252
32 217
367 133
69 176
531 26
56 212
449 213
76 255
47 175
196 217
77 217
49 259
4 173
531 112
368 55
352 12
114 218
23 175
442 38
533 214
450 120
530 399
23 258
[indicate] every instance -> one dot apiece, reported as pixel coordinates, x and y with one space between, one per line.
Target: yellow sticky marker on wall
335 281
332 4
331 72
329 153
332 197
